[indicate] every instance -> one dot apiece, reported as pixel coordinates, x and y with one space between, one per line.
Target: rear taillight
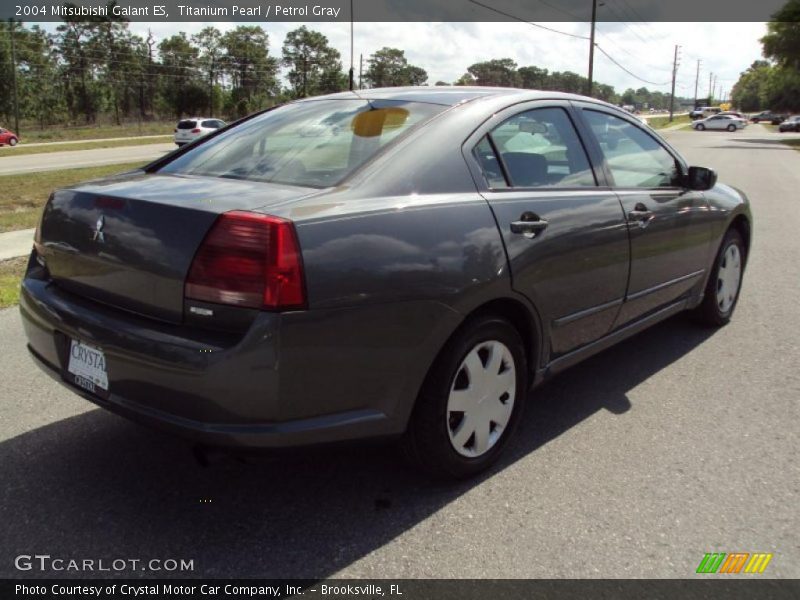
196 130
175 131
248 259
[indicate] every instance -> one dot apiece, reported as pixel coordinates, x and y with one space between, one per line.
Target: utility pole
351 46
305 78
591 48
360 68
710 79
672 91
696 81
14 76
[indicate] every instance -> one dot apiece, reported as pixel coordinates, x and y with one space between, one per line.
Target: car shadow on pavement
96 486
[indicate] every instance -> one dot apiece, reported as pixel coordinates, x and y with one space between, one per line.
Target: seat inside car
526 169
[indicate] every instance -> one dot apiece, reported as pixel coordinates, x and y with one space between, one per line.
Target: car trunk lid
129 241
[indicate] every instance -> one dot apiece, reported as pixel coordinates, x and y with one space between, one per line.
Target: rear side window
537 148
211 124
634 157
187 124
314 143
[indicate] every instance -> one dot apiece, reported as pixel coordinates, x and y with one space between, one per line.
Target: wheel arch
520 315
742 224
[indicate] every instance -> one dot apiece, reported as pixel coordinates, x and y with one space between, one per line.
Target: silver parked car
189 130
727 122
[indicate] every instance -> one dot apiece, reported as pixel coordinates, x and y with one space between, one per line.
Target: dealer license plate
87 365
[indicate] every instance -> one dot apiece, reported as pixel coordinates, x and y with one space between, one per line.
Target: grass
24 195
662 122
22 149
59 133
794 143
11 272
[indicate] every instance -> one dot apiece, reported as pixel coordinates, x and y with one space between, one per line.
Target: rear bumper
304 432
205 386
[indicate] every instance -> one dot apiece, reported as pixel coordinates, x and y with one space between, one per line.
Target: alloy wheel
481 398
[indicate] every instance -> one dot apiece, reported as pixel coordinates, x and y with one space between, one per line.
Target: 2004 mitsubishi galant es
406 261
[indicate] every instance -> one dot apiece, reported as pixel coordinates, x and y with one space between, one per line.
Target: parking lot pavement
678 442
73 159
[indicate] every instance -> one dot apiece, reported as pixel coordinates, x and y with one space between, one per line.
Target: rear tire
724 283
731 127
482 370
13 142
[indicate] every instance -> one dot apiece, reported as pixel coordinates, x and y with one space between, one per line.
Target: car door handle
641 215
530 225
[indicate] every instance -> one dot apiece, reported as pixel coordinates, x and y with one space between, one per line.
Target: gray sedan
720 122
411 270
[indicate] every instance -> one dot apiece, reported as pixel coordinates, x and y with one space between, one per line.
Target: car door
565 235
669 225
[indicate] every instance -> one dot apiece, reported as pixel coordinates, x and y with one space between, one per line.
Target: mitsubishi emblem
99 236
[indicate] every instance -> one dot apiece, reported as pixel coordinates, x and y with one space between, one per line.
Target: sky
445 50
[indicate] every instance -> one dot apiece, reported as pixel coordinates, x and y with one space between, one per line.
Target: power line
510 16
610 40
609 57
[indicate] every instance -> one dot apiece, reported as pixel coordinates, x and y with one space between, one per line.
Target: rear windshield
187 124
315 143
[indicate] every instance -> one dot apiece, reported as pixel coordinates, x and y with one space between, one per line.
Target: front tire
471 401
12 142
724 283
731 127
700 127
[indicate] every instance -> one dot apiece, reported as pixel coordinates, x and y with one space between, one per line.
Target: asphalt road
678 442
72 159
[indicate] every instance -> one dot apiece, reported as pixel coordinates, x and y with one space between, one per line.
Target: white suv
189 130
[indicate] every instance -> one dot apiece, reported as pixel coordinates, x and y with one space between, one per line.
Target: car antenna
367 100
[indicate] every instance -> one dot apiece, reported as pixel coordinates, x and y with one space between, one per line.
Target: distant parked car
189 130
8 137
768 116
734 113
702 112
790 124
727 122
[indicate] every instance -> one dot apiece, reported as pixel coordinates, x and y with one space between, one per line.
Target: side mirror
701 178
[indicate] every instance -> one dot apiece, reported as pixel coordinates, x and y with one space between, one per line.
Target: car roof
450 95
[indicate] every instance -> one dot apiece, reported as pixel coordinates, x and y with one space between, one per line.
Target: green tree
210 61
465 79
501 72
181 83
315 67
533 78
782 41
252 71
749 92
388 67
81 91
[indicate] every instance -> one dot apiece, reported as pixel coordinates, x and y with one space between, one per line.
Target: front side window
314 143
537 148
635 158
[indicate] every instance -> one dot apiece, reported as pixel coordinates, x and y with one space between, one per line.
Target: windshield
315 143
